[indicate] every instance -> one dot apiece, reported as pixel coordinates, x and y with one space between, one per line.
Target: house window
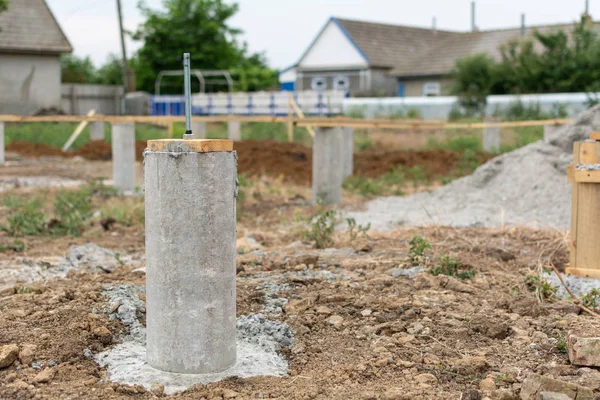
318 83
432 89
341 83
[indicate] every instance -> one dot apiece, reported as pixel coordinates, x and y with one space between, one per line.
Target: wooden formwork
584 176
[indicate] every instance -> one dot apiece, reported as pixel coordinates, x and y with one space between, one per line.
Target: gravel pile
527 187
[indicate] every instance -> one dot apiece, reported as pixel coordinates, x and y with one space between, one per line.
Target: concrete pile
527 187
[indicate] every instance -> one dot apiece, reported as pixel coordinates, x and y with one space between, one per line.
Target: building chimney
473 26
523 26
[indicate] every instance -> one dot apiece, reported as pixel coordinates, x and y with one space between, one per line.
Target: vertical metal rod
188 95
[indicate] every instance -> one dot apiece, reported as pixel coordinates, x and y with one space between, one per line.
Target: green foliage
453 266
561 343
97 187
390 183
456 143
320 229
17 246
553 62
111 73
519 111
356 112
355 229
591 299
201 28
543 289
71 209
77 70
418 245
3 7
126 211
475 77
25 218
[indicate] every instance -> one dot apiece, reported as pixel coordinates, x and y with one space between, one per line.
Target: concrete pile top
191 145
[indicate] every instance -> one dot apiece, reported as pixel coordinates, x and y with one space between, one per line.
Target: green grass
453 266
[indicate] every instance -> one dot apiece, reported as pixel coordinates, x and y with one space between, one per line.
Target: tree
474 79
201 28
111 73
3 7
77 70
550 62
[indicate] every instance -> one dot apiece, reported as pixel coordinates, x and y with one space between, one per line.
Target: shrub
26 218
71 210
354 230
418 245
453 266
321 227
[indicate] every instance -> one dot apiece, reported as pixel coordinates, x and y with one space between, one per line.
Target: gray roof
441 58
409 51
28 26
392 46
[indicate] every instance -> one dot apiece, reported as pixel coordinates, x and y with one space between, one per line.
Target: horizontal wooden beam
585 176
375 123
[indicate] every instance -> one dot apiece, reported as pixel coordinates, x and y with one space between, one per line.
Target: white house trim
333 49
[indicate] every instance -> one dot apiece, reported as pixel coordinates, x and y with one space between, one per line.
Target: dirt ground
367 325
290 160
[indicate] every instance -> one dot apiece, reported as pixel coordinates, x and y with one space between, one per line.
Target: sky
283 29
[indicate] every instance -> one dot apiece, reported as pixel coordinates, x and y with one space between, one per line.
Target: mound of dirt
33 149
290 160
526 187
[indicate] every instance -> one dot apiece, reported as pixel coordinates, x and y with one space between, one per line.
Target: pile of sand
527 187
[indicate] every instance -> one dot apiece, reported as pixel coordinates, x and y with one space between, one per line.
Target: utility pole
587 7
124 51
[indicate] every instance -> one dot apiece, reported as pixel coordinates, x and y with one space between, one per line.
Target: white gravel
527 187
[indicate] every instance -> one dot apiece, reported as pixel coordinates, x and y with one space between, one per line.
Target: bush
453 266
25 218
321 228
71 210
416 253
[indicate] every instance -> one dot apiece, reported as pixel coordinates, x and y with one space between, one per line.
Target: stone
229 394
27 354
470 365
415 328
8 354
20 385
552 396
504 394
336 321
395 394
487 385
535 384
103 334
564 308
366 313
44 376
584 351
426 379
323 310
157 389
471 395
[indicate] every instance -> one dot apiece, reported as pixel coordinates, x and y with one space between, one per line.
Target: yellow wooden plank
583 176
595 135
570 173
197 145
583 272
574 209
78 131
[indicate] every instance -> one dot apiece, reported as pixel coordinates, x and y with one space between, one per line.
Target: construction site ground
370 320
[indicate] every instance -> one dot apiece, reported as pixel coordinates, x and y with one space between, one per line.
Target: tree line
557 61
199 27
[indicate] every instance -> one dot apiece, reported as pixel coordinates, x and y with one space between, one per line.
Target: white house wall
288 76
333 50
28 83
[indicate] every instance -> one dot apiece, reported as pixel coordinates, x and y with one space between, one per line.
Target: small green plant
418 175
453 266
26 218
17 246
71 210
501 378
355 229
367 187
591 299
118 259
97 187
126 211
418 245
321 228
561 343
543 289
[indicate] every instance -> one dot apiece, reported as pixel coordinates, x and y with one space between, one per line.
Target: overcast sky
283 29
